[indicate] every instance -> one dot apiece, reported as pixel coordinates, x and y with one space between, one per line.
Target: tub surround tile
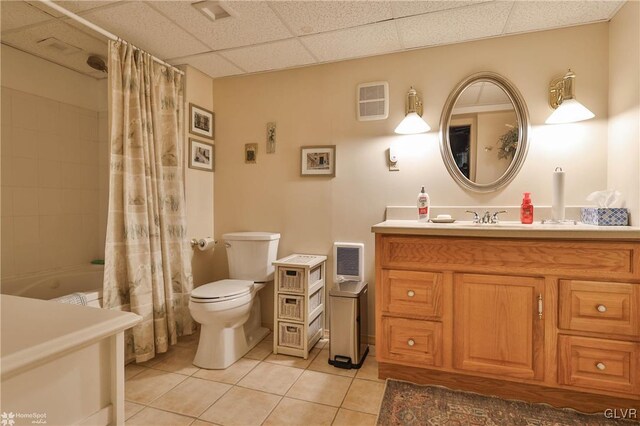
353 418
191 397
293 361
365 396
231 374
271 378
242 407
321 364
149 385
151 416
294 412
322 388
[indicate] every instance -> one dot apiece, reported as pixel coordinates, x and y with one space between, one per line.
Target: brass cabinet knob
601 308
411 342
600 366
411 293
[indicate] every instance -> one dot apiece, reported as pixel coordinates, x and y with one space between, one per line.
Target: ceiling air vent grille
59 46
373 101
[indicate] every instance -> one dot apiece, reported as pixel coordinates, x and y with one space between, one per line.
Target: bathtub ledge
37 331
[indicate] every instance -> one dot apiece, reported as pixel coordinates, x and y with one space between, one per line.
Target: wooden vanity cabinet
553 321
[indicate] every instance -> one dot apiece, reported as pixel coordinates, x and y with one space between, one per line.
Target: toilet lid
223 289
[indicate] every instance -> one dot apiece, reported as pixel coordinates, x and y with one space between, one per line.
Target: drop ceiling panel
18 14
539 15
147 29
310 17
211 64
250 23
454 25
270 56
78 6
27 40
374 39
409 8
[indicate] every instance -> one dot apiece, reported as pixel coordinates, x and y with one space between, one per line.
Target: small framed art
201 122
318 160
201 155
250 153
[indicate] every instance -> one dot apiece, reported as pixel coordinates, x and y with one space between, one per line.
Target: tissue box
604 216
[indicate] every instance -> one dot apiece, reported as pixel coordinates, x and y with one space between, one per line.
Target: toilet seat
220 291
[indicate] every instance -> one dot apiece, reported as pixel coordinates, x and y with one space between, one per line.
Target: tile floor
259 389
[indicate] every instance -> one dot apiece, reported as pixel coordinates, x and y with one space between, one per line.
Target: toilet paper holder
202 242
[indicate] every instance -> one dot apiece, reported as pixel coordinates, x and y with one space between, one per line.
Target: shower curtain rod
100 30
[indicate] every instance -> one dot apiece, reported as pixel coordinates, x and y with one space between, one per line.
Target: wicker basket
291 334
291 279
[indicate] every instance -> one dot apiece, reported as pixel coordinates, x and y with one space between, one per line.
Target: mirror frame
522 115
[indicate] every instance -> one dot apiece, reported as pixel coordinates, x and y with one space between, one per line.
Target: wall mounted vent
373 101
58 46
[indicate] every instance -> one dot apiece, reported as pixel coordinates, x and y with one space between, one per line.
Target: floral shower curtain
147 258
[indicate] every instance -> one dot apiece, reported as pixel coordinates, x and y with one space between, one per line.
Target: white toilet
229 310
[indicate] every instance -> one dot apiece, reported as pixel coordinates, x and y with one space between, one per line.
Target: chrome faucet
476 217
487 218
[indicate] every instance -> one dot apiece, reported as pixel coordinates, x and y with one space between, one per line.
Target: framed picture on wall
318 160
201 155
201 122
250 153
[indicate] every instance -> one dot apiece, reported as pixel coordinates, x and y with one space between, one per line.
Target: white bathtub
50 285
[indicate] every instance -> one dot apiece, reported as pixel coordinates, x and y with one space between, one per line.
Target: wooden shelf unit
299 303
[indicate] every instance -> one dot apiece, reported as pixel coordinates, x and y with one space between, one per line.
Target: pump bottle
423 206
526 209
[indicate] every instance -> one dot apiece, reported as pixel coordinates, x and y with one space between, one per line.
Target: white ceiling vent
59 46
213 10
373 101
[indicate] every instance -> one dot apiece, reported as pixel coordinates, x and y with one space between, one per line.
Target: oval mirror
484 131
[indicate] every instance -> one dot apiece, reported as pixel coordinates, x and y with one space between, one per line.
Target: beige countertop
507 229
36 331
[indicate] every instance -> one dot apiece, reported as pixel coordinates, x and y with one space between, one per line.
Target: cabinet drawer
600 307
412 293
413 341
599 364
598 259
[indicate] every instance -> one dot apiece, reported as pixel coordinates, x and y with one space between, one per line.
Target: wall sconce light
562 99
412 122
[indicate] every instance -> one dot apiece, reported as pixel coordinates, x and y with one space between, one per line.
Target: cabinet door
497 326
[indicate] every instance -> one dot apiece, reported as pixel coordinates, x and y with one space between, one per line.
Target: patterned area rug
408 404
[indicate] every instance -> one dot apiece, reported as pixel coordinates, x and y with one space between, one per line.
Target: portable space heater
348 307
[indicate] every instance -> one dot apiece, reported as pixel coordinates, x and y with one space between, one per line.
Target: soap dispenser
526 209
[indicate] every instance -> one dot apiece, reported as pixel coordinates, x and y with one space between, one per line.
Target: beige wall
316 106
198 183
624 106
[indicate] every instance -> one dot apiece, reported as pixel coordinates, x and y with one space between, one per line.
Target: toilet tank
251 255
